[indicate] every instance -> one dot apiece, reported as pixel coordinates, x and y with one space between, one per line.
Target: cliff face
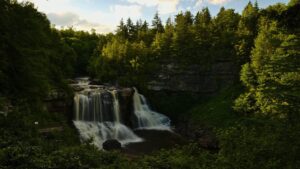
194 78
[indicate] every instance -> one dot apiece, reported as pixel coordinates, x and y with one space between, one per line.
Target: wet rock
77 88
112 145
95 82
72 81
107 106
94 87
111 88
127 92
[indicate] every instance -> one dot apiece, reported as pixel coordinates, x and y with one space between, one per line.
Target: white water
116 106
98 116
148 119
100 132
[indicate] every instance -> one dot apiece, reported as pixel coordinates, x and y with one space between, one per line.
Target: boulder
112 145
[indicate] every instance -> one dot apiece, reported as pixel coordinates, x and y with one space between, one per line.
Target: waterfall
98 117
146 118
116 106
99 132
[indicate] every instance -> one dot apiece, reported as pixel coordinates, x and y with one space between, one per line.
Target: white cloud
63 13
126 11
214 2
63 19
218 2
51 5
199 3
69 19
163 6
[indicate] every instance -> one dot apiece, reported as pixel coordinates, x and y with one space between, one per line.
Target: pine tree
157 26
273 76
122 30
247 31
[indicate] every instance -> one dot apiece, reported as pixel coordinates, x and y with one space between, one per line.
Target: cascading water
146 118
98 116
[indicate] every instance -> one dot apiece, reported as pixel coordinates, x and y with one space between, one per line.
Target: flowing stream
98 116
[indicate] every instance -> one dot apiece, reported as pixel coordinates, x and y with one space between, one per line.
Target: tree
275 76
224 34
122 30
83 44
203 36
161 46
132 30
183 39
157 26
247 31
34 59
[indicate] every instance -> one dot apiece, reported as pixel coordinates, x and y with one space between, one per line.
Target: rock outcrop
194 78
58 101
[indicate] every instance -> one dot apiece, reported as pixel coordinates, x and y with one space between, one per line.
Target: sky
105 15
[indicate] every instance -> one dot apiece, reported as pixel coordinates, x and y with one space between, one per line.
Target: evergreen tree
224 34
272 77
157 25
132 30
183 39
247 31
203 36
122 30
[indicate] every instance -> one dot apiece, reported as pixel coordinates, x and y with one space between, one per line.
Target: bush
259 144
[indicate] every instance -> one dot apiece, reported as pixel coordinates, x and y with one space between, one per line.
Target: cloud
66 13
69 19
51 5
63 19
163 6
218 2
214 2
126 11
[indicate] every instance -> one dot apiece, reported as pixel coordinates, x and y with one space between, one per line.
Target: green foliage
187 157
247 31
259 143
137 50
272 82
33 57
86 157
157 25
216 111
273 75
82 44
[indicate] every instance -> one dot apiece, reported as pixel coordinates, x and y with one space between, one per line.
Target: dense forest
255 121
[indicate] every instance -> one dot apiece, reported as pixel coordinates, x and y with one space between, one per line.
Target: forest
254 120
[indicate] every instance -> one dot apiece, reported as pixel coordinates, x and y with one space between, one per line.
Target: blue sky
104 15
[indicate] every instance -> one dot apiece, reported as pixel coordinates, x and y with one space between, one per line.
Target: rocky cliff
194 78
